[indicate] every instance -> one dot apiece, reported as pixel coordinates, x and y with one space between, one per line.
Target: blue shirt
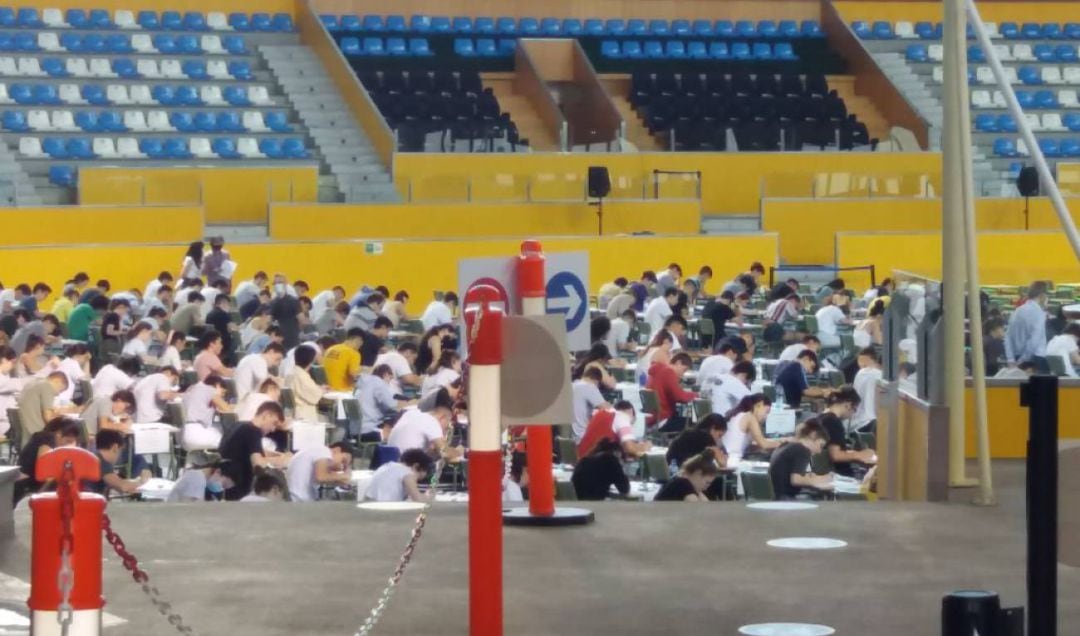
29 304
641 294
1025 337
791 377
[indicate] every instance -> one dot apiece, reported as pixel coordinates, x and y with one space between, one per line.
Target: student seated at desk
791 378
306 393
616 425
447 369
586 398
865 385
426 430
269 391
109 412
266 488
60 431
660 309
659 350
202 402
666 381
200 482
745 427
789 467
244 449
598 357
792 351
400 480
677 326
728 389
316 466
695 476
1065 347
597 472
515 483
110 444
705 437
618 334
723 358
841 406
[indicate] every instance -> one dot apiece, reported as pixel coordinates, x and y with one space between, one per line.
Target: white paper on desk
152 439
157 487
308 435
228 268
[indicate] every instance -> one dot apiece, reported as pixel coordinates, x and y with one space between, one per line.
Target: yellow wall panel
418 266
1008 421
229 195
320 222
731 183
60 225
932 11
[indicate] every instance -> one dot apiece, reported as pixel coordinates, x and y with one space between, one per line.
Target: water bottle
673 469
780 402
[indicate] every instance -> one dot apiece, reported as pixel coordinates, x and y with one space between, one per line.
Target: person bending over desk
596 473
841 406
665 380
792 379
110 445
616 425
705 438
400 480
744 427
694 478
789 468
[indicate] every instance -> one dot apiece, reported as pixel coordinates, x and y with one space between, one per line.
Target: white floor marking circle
782 505
808 543
390 506
786 629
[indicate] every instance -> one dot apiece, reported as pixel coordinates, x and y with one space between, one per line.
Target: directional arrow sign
568 297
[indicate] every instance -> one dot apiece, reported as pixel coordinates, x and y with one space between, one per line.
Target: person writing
694 478
617 425
598 472
400 480
745 427
841 406
789 467
666 381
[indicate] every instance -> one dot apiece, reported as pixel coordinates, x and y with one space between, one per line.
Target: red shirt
603 426
665 382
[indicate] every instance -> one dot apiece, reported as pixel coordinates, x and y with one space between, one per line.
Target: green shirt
79 322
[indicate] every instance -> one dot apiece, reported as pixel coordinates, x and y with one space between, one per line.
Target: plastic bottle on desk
780 402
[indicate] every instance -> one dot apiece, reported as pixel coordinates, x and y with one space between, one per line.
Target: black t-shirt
720 314
285 311
993 352
111 320
369 351
28 456
790 459
106 469
778 291
676 490
596 474
238 447
792 379
834 428
219 319
248 309
688 444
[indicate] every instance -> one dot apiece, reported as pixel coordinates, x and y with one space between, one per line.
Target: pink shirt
207 363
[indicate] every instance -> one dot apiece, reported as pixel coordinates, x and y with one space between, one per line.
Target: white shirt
250 374
792 352
442 378
136 348
189 269
147 407
289 361
586 397
397 363
726 393
656 313
437 313
301 473
828 317
321 303
247 407
712 368
387 484
415 429
209 294
736 440
618 336
865 384
512 491
190 486
171 358
109 380
1063 346
70 367
151 290
245 292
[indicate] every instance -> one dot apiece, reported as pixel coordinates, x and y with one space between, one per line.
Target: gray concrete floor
284 569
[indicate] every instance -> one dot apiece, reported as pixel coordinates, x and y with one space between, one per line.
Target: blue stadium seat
505 25
396 46
883 30
719 51
745 29
55 67
1051 31
1046 99
229 121
680 28
236 96
65 176
195 21
195 69
1071 31
653 49
350 46
234 44
261 22
239 22
1005 148
372 46
761 51
165 95
464 47
550 27
1066 52
21 94
573 27
632 49
985 122
205 122
420 23
637 27
370 23
418 47
164 43
703 28
862 30
462 24
283 22
485 25
394 24
79 148
594 27
1050 147
675 49
1044 53
94 43
77 18
811 29
766 29
724 29
529 27
1029 75
1006 123
148 20
294 149
117 43
225 147
1072 121
1070 148
54 147
240 70
659 28
276 121
507 46
1014 169
182 121
975 54
485 47
615 26
94 94
25 42
70 41
125 68
916 53
87 121
788 29
172 20
924 30
784 51
7 17
441 24
188 96
1031 31
28 17
45 94
1009 31
697 51
271 148
177 148
188 45
610 48
14 120
152 148
111 121
740 51
7 43
330 22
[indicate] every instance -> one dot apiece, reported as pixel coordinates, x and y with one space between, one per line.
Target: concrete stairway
16 187
636 133
351 171
860 106
521 110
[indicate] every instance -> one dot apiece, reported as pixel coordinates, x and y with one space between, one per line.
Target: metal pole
1040 396
952 236
538 447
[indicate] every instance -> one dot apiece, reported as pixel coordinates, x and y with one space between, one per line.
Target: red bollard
530 278
484 332
66 520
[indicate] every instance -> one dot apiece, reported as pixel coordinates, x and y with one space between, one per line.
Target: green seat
288 402
567 450
757 486
655 468
1057 365
14 435
353 416
864 441
413 326
707 331
821 464
650 404
228 422
644 333
318 374
564 491
174 414
702 408
622 375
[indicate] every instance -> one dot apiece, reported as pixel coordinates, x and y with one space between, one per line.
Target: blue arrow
566 295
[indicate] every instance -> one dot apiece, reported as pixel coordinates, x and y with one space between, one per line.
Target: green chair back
318 374
821 464
175 414
655 468
1057 365
567 450
649 402
757 486
564 491
288 400
702 408
413 326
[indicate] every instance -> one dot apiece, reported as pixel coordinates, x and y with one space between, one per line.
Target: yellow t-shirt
62 309
342 365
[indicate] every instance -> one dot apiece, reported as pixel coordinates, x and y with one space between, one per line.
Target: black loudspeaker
599 182
1027 182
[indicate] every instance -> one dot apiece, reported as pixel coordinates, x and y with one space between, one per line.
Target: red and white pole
538 441
66 540
484 325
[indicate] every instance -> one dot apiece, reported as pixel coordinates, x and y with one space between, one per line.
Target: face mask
215 487
279 288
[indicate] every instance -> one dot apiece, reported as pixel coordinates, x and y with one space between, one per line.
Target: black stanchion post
1040 396
964 611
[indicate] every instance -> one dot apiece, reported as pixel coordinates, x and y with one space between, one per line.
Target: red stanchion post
65 557
538 441
484 332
